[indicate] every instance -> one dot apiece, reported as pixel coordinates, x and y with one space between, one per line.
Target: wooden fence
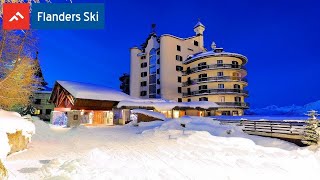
277 129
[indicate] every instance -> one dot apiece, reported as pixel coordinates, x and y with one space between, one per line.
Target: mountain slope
285 110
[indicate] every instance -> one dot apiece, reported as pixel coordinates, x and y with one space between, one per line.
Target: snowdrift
12 125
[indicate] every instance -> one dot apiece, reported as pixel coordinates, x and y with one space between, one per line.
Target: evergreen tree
38 73
310 135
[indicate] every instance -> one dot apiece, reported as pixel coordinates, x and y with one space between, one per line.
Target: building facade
41 103
182 69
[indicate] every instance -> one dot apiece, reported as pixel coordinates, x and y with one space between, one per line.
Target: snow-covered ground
11 122
160 150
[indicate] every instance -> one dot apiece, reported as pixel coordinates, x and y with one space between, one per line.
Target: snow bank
204 151
150 113
11 122
215 128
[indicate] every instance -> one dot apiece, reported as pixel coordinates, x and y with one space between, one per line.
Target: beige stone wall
17 142
135 71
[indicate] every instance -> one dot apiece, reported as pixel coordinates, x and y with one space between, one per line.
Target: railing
234 104
213 79
279 129
212 66
215 91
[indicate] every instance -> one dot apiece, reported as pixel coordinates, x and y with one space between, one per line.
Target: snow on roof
150 113
92 91
212 53
45 90
164 105
199 24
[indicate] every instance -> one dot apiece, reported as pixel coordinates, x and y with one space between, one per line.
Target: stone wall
17 142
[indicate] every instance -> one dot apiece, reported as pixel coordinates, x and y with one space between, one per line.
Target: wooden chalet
83 103
90 100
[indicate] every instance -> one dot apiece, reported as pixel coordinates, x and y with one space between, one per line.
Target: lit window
220 74
221 86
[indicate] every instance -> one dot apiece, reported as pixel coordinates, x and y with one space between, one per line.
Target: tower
199 29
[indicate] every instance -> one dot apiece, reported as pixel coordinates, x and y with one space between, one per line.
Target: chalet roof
92 91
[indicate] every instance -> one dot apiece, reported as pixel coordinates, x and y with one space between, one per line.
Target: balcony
234 104
212 66
213 79
215 91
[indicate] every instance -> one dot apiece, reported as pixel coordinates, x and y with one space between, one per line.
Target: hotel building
182 69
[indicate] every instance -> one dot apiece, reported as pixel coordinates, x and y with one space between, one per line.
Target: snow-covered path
166 152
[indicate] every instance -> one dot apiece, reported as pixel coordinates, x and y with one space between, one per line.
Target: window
144 83
158 91
179 79
219 62
158 61
143 93
179 68
143 65
37 101
179 89
220 74
189 91
236 86
196 43
158 52
178 48
222 99
202 65
203 99
143 57
158 81
178 58
144 74
203 87
179 99
237 99
220 86
235 64
40 111
48 111
189 100
158 71
203 77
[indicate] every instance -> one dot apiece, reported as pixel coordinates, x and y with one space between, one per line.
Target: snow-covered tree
310 135
18 69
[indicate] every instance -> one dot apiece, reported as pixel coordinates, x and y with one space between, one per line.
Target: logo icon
16 16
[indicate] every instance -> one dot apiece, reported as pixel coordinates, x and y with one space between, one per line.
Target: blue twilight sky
279 37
